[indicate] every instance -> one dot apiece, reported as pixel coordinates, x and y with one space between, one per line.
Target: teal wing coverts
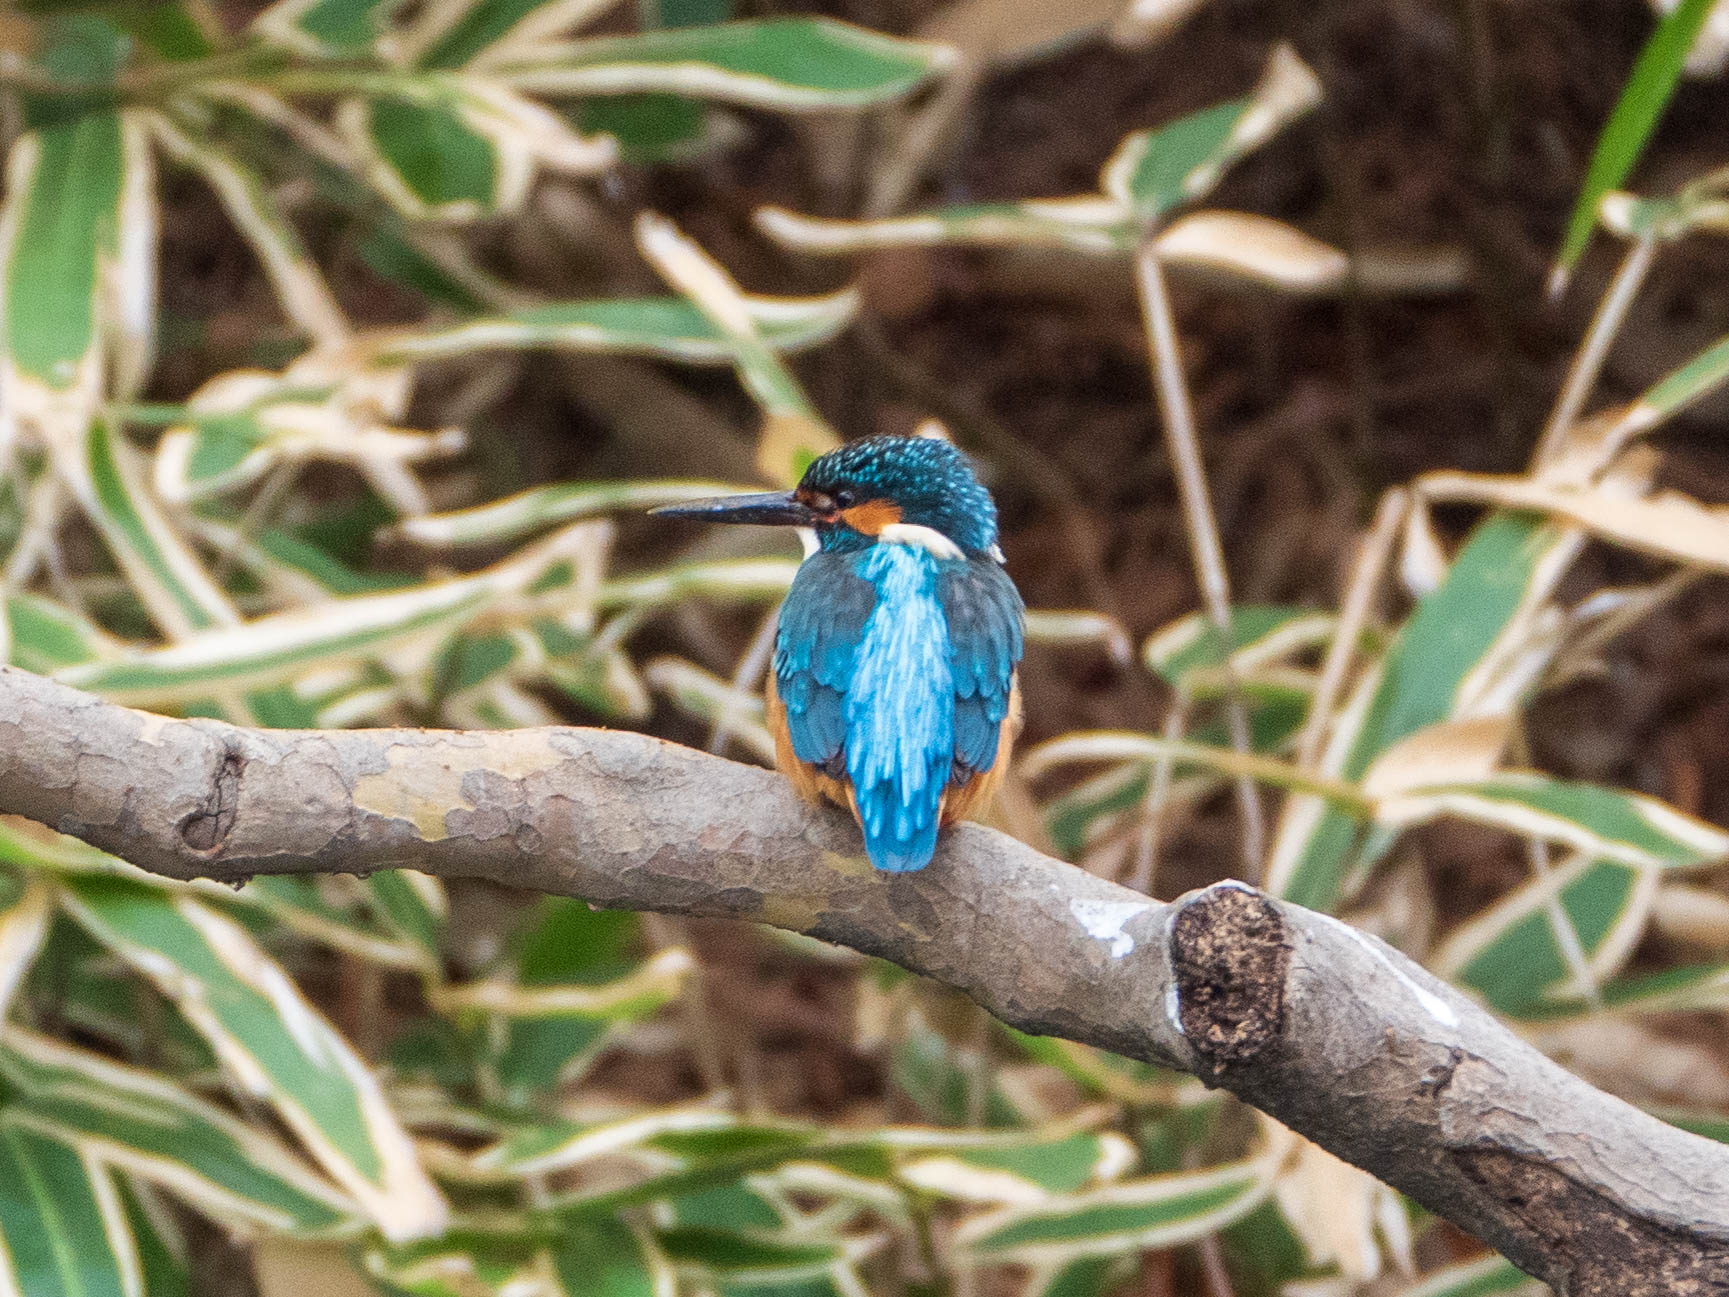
895 667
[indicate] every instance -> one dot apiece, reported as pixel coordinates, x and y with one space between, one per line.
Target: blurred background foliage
342 344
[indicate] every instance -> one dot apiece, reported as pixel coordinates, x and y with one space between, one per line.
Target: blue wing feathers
900 665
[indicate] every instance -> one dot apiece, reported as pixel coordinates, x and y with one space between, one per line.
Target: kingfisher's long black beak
772 508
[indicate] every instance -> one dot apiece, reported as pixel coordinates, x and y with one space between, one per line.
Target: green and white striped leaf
709 698
47 635
63 1227
1155 171
77 260
451 147
601 1256
270 1040
281 647
23 925
1471 648
297 903
1488 1276
608 1006
159 1131
299 285
1261 635
793 432
793 64
343 28
1605 823
542 1150
1699 377
179 594
465 1263
737 1260
1528 950
670 328
749 580
1159 1211
478 32
1027 1172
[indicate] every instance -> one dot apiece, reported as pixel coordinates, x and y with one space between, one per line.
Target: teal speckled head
915 481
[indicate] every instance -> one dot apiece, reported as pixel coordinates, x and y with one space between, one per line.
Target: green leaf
64 185
1697 378
667 327
159 1131
1630 125
161 569
1606 823
1261 635
278 648
1488 1276
747 1258
604 1257
749 579
1160 1211
1026 1171
1154 171
529 512
326 27
796 64
429 160
1457 645
63 1230
939 1079
271 1041
1513 955
47 636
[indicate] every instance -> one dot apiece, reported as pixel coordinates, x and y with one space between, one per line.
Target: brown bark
1323 1027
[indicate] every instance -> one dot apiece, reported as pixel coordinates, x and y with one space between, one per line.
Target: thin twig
1158 790
1366 573
745 678
1588 362
1209 556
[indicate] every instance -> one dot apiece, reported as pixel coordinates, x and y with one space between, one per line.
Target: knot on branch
1230 952
208 827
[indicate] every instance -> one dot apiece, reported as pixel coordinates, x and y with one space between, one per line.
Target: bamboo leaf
165 574
1467 650
1634 118
47 636
540 507
160 1132
1160 1211
1027 1172
298 282
1512 954
272 1042
63 1229
602 1257
1605 823
1488 1276
325 27
1155 171
1261 635
278 648
668 327
793 64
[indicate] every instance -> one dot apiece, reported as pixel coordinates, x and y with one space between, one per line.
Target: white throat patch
926 538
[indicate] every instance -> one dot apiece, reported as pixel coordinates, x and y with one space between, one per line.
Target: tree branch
1323 1027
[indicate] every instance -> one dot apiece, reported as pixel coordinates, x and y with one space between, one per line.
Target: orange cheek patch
869 518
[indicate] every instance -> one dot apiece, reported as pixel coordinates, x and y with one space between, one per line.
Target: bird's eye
844 499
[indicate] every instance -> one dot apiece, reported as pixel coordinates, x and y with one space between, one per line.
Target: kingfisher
893 690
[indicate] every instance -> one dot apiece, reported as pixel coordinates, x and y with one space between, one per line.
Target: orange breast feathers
969 800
